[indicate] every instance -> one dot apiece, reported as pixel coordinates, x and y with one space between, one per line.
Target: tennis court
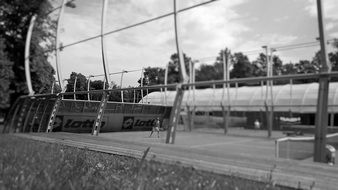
211 141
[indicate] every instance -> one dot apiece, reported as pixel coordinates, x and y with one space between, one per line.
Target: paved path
250 157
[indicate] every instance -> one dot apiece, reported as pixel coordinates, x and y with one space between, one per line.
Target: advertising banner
76 124
138 123
83 122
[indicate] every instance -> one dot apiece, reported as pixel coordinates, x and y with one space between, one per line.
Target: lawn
28 164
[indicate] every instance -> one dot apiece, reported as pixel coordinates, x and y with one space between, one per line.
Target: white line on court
221 143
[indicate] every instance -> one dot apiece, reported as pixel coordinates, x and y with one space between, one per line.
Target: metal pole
105 95
268 72
227 78
193 95
166 83
65 87
271 119
181 62
103 44
194 89
190 81
290 102
326 66
52 90
147 90
57 44
27 50
43 116
74 87
142 72
121 82
175 112
224 73
88 87
162 100
323 91
134 97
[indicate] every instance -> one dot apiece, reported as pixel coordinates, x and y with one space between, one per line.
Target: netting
300 148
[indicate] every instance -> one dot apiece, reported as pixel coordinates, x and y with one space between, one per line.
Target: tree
307 67
81 84
155 75
333 56
15 19
242 67
96 85
277 65
208 72
6 75
260 67
212 72
289 69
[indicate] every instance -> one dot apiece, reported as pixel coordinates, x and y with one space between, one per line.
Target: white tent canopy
299 98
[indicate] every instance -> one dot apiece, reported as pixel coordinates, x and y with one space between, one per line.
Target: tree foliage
15 18
155 75
6 75
211 72
242 68
333 56
82 85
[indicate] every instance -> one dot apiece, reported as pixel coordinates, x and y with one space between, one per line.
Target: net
300 148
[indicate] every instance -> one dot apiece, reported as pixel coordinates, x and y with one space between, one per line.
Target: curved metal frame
103 44
57 44
53 85
74 87
142 75
27 55
121 82
183 72
104 83
88 86
166 82
175 112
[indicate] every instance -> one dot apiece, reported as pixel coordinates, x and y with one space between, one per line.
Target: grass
28 164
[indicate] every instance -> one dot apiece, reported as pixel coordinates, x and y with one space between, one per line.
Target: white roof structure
298 98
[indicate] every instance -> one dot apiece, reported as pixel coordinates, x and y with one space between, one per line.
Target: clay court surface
246 153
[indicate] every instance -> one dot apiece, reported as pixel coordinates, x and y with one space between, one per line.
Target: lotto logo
128 123
132 122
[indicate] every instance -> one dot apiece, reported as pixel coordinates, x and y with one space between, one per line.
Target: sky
241 25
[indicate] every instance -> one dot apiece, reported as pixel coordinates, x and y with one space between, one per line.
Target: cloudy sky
241 25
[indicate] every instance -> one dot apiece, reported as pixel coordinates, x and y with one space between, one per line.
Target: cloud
280 19
196 25
207 29
271 40
329 8
330 25
252 48
204 31
334 35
